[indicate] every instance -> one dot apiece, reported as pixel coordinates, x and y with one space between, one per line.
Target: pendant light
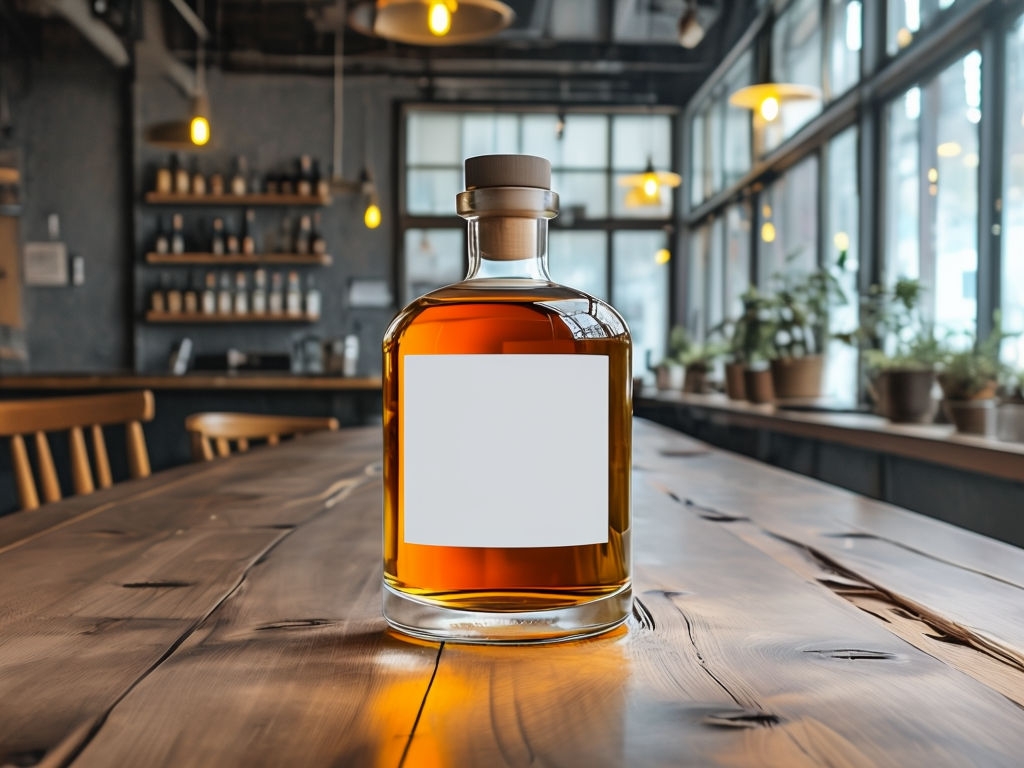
765 99
367 188
431 22
645 188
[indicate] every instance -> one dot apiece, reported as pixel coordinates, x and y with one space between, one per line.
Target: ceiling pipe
78 14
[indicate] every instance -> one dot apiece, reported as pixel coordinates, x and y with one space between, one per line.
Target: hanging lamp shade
767 98
645 188
431 22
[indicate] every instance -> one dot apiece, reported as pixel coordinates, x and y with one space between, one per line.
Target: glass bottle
275 301
191 296
259 292
241 294
165 178
317 244
225 302
293 299
507 434
209 298
239 182
182 180
217 244
249 232
161 244
304 177
303 235
313 302
177 234
198 180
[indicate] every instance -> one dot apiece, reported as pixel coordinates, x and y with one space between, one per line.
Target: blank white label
505 450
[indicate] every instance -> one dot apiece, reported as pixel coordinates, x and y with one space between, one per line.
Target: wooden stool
212 433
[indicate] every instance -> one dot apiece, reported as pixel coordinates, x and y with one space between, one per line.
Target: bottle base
428 621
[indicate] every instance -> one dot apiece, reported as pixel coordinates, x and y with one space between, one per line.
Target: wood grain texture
229 614
924 442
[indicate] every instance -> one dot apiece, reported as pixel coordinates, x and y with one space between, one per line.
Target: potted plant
970 381
902 352
750 345
800 314
669 372
697 361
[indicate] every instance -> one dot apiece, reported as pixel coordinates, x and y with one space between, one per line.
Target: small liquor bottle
507 425
275 301
293 299
198 180
249 232
164 179
304 178
312 298
317 244
231 244
174 299
241 294
182 180
177 235
191 296
161 244
209 299
216 184
225 302
259 292
218 246
321 186
239 181
303 236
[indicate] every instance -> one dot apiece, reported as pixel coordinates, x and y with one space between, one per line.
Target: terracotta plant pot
878 392
797 376
908 396
972 417
669 377
734 386
955 390
696 379
758 386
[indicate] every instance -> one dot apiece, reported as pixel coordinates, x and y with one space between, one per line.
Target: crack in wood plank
423 703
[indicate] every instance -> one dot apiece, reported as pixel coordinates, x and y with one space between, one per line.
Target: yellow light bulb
650 186
841 241
199 130
768 232
371 218
662 256
770 108
439 18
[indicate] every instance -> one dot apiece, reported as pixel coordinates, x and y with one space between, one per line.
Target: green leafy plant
973 370
892 334
747 339
801 306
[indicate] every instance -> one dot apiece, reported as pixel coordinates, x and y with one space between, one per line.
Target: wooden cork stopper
508 171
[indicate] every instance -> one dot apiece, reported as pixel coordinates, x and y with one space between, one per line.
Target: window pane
796 58
640 292
716 281
489 134
788 233
583 191
737 256
583 143
580 259
932 192
1013 198
639 138
432 192
433 258
696 279
736 125
841 257
844 45
432 138
907 17
700 181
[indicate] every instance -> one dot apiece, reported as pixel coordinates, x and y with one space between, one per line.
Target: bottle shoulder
584 316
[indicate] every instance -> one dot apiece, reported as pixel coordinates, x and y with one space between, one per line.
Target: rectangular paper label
505 450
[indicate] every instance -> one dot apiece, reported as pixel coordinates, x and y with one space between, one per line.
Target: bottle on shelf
303 235
164 178
293 299
317 244
275 301
218 245
158 298
174 299
231 243
321 186
225 301
259 292
182 181
177 234
304 177
510 336
162 244
249 232
272 184
241 294
350 354
285 243
216 184
313 301
209 298
190 299
198 180
239 181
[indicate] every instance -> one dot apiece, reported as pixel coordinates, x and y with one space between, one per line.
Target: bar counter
228 613
79 382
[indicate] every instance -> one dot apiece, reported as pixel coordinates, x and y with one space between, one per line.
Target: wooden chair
213 433
24 418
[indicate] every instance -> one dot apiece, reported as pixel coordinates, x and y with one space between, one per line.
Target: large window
788 232
844 44
737 256
932 192
796 58
907 17
603 242
1013 197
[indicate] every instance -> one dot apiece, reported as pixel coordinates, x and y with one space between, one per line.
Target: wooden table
229 614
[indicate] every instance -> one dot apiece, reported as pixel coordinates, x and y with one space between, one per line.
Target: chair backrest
34 418
213 433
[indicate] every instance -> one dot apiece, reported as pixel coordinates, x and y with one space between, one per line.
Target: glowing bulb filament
371 217
770 108
650 186
199 130
439 17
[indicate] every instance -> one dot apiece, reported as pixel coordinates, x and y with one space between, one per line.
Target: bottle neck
508 247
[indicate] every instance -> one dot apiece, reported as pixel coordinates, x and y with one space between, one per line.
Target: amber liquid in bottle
508 307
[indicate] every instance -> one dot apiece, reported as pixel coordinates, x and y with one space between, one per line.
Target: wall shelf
212 259
201 319
170 198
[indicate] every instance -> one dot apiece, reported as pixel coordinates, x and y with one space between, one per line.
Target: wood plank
810 679
182 317
174 259
170 198
233 381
